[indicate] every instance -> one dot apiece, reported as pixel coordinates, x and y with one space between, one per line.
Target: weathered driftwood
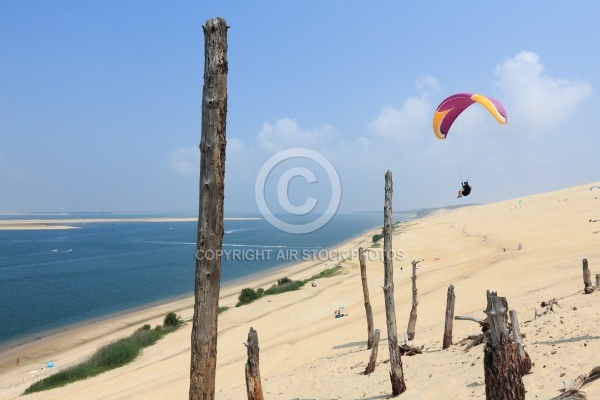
368 309
396 372
407 350
587 278
477 340
502 364
412 321
253 383
549 305
482 322
517 338
210 218
571 390
450 300
373 358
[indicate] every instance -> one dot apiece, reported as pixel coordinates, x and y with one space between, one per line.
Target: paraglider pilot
465 191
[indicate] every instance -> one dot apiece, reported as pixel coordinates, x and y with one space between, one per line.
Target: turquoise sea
53 278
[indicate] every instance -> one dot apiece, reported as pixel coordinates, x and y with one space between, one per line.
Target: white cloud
405 124
286 133
537 102
185 160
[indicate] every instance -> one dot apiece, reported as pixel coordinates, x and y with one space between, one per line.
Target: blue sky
100 101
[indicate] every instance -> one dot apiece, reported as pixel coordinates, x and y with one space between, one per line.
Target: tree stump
373 358
253 383
450 300
368 309
587 279
502 364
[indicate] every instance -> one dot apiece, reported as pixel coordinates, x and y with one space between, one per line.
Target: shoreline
68 223
34 346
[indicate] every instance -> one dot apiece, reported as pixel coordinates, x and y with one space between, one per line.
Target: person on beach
465 191
338 313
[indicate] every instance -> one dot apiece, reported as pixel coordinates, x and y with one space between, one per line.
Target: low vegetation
377 237
110 356
283 285
222 309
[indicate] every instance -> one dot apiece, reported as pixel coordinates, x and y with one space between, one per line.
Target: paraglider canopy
449 109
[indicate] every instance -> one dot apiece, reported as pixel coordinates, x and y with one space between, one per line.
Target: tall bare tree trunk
210 218
253 383
368 309
412 321
450 300
396 372
501 360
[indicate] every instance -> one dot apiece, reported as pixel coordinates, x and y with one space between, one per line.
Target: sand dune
306 353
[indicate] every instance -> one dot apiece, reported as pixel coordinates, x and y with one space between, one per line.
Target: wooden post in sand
368 309
450 300
210 218
587 278
373 359
253 384
598 281
396 372
525 360
412 321
501 361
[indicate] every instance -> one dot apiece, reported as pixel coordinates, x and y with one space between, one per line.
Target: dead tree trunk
450 300
524 357
253 384
501 362
373 359
368 309
587 279
412 321
396 372
210 218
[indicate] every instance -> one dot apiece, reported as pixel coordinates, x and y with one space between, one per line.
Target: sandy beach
306 353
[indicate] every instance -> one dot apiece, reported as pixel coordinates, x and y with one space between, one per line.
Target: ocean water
54 278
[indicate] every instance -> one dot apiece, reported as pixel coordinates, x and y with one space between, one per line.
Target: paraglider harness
466 188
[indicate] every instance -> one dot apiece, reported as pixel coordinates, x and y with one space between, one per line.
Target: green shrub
146 327
377 237
172 320
283 281
247 296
